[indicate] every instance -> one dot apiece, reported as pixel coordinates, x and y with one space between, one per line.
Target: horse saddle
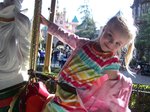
34 97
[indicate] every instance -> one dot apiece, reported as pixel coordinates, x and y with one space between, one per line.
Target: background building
141 14
61 20
139 8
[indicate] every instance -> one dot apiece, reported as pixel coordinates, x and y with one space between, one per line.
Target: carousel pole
49 43
35 34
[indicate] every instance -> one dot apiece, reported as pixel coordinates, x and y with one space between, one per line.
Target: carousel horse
15 90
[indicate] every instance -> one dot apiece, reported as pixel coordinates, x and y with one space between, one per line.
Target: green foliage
84 9
141 87
55 70
142 43
87 28
144 27
140 98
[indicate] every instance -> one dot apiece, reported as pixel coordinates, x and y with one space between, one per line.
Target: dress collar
101 53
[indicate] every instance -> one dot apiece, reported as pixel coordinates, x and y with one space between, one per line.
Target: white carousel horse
14 62
14 50
14 44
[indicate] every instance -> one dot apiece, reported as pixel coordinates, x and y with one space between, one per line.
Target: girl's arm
64 36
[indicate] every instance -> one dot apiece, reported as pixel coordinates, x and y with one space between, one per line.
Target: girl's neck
98 48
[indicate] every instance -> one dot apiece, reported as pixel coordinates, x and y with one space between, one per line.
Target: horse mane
14 40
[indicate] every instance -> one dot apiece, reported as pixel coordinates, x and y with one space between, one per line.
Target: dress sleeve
64 36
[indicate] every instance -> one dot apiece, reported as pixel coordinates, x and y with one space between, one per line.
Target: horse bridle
2 19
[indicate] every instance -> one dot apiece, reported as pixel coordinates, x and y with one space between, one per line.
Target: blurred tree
87 28
143 40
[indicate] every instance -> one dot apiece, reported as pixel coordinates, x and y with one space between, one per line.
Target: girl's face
112 40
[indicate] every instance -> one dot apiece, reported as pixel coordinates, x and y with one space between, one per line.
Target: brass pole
47 61
35 34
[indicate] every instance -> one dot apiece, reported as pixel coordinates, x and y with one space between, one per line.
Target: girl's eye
109 35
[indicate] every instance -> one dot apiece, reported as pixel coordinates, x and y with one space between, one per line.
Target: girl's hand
112 74
43 20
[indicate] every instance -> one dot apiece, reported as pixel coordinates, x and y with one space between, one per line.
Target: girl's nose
111 45
111 41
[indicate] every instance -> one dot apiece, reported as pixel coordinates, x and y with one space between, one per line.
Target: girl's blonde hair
128 29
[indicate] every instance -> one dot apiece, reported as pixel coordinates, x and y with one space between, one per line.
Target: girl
91 64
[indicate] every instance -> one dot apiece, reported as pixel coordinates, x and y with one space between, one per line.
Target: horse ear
9 2
17 3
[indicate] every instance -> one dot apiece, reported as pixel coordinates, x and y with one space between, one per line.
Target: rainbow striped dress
81 70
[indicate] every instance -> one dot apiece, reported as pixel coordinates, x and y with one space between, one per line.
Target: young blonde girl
93 67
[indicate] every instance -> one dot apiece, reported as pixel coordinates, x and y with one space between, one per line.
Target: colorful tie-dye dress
84 67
